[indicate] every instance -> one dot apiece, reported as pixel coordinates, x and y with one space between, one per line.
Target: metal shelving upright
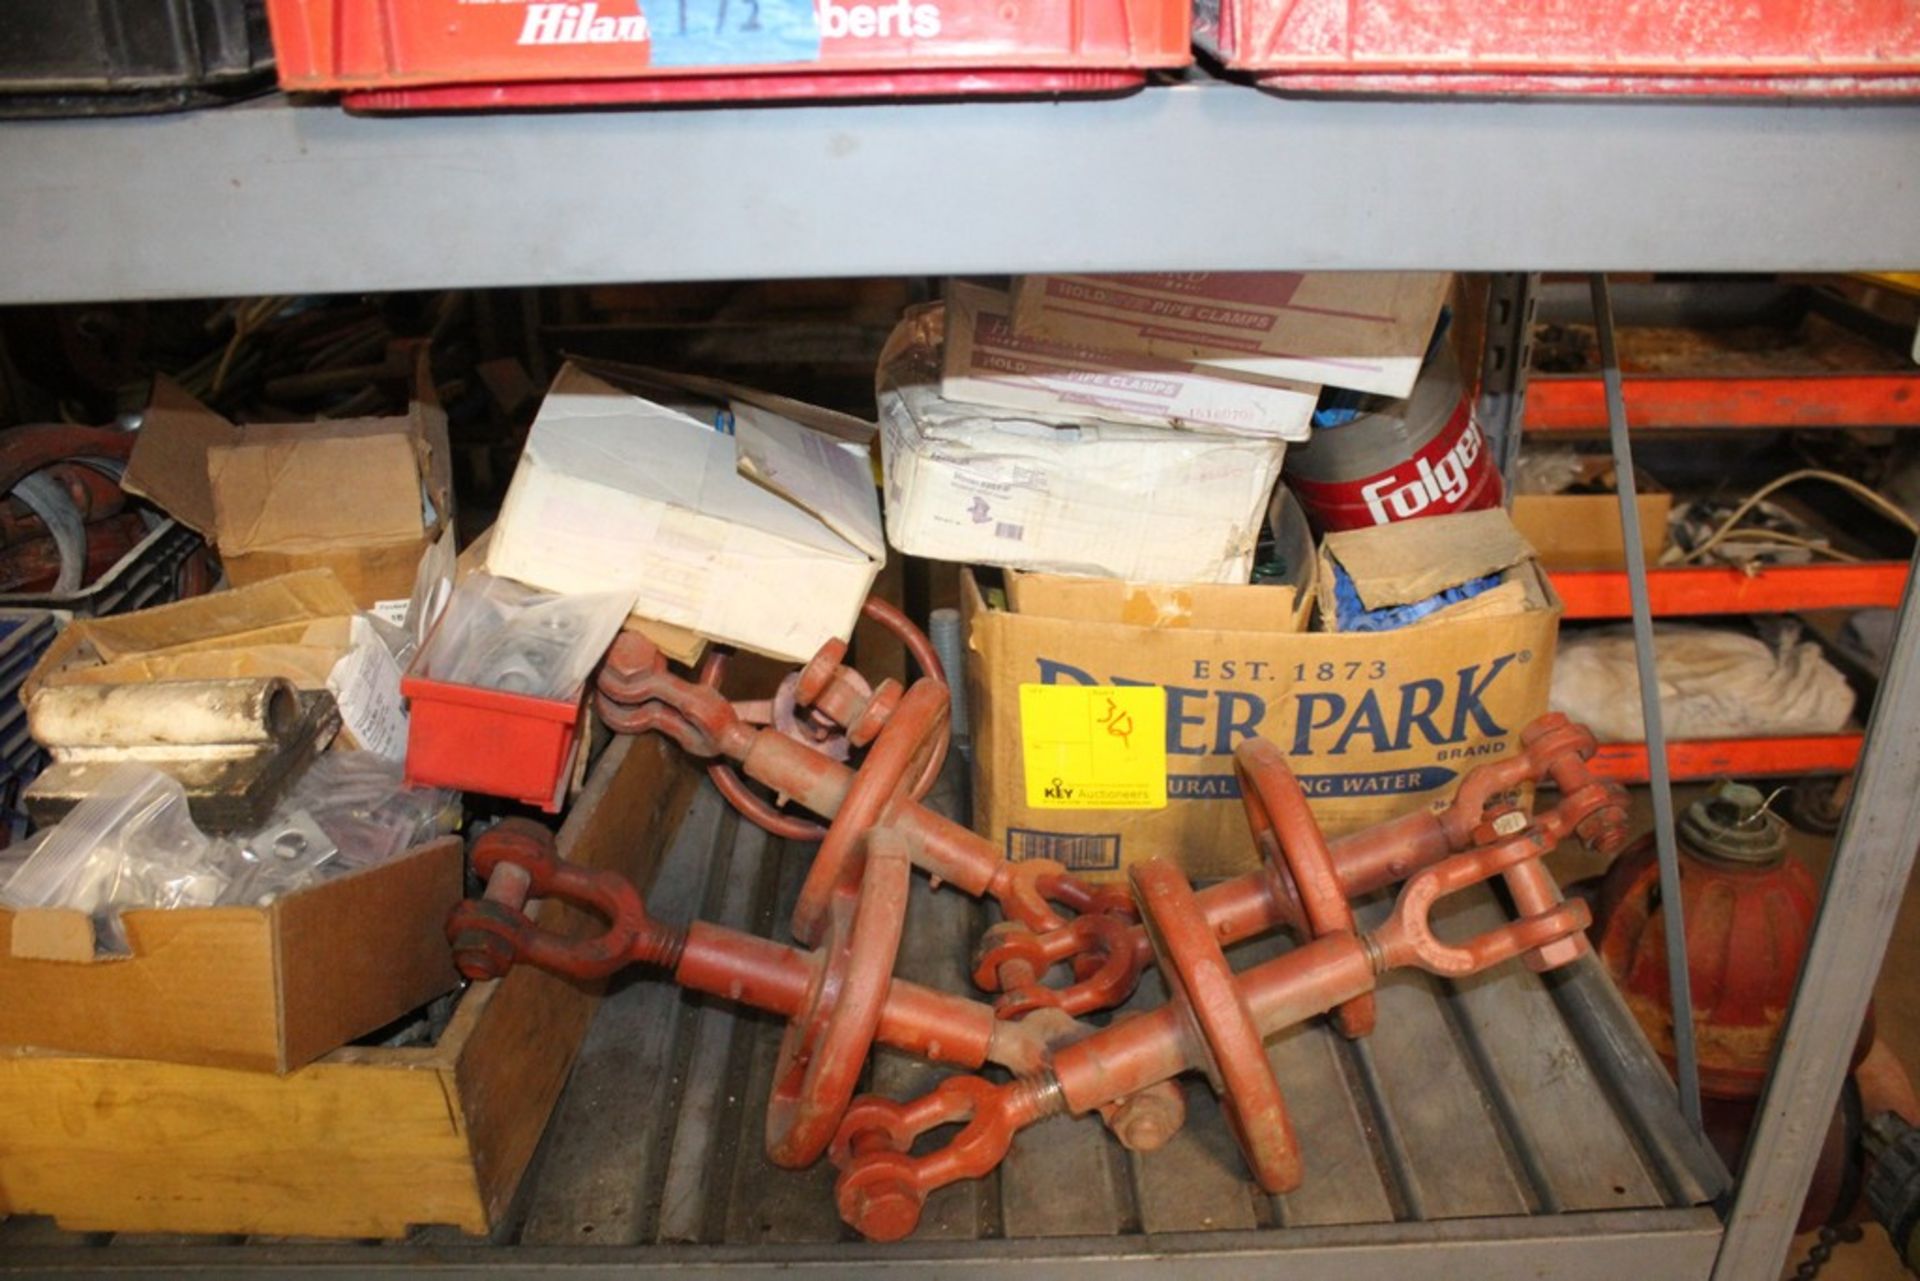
271 197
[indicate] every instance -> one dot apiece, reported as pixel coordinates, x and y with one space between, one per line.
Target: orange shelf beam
1721 589
1697 759
1655 402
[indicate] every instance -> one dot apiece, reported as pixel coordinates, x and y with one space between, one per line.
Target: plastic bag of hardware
290 853
131 844
361 804
1713 684
498 634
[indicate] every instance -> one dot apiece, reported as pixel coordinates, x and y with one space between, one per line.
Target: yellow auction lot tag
1095 747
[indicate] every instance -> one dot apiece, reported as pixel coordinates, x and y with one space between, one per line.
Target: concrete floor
1897 1016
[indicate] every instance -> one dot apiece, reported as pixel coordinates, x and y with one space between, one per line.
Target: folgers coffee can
1397 459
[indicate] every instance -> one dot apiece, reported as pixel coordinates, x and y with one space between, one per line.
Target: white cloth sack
1713 684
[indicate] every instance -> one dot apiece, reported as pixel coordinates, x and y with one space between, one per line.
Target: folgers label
1425 456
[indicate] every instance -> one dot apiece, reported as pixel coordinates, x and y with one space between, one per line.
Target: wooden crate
367 1142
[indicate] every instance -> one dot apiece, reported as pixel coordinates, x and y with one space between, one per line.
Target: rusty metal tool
1215 1021
1305 880
639 693
839 999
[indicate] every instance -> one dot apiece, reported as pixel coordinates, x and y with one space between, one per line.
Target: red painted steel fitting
638 693
1214 1020
1108 963
845 711
838 999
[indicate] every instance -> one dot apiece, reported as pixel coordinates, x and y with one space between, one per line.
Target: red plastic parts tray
430 54
483 740
1817 48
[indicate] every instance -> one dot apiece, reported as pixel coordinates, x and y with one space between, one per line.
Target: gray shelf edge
1675 1245
271 197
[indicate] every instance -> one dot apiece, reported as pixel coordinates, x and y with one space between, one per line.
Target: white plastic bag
1713 684
499 634
131 844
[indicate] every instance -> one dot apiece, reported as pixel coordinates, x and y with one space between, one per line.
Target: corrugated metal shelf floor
1509 1125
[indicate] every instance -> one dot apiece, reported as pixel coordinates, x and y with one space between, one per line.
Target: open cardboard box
296 626
368 1141
362 497
1374 723
263 988
1582 531
618 491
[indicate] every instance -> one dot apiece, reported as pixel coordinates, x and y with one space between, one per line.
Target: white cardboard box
987 363
769 538
994 488
1364 330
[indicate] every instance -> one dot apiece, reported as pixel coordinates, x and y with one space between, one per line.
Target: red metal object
844 712
1576 403
1837 48
1707 758
1749 907
35 565
1213 1020
638 693
1748 922
26 449
839 999
1693 590
1109 956
437 54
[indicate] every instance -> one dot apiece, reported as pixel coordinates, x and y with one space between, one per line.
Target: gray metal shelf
1503 1126
272 197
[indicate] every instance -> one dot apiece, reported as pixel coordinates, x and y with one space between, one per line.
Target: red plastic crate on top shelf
431 54
1814 48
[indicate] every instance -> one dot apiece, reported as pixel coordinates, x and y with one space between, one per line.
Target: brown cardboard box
265 988
352 496
1366 330
295 626
1582 531
1375 724
370 1141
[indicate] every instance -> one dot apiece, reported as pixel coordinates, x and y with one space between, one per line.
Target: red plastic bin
1807 48
437 54
487 741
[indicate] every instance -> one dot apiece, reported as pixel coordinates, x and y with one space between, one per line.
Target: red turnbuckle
637 693
839 999
830 707
1214 1020
1305 881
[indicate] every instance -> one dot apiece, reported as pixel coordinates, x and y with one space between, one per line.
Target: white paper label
392 611
366 685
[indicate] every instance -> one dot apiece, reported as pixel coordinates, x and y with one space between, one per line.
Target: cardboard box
369 1141
362 497
1582 531
1280 605
1390 575
297 626
987 363
993 488
1375 724
263 988
1365 330
768 538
